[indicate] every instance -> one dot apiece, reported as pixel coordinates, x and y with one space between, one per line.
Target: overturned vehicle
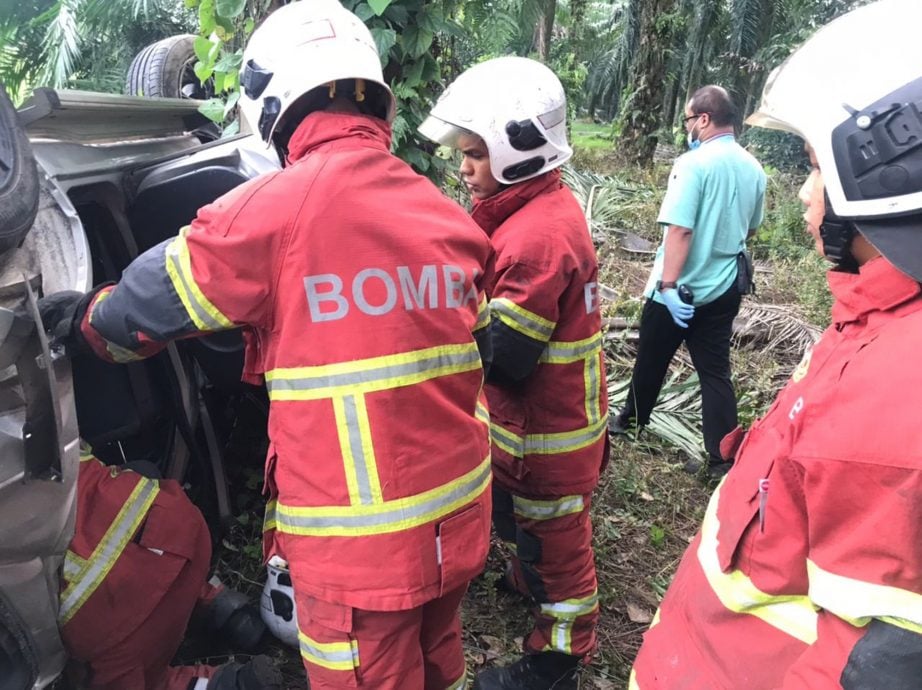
87 182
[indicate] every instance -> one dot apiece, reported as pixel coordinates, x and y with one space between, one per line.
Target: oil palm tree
80 42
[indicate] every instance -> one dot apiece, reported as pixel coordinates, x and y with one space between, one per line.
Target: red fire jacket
814 539
361 285
140 548
548 421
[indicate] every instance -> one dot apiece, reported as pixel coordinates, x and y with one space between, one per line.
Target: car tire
165 70
18 178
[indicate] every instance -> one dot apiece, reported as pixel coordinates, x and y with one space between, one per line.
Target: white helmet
299 47
277 604
519 109
854 92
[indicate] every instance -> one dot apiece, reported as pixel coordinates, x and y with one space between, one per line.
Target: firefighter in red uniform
546 387
133 574
807 571
360 287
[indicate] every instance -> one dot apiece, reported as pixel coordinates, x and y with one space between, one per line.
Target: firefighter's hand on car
61 314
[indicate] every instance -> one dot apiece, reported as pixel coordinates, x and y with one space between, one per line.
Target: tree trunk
544 29
641 113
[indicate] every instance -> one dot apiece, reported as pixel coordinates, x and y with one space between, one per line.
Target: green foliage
79 43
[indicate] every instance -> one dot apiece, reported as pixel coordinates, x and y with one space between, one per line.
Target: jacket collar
878 287
322 127
490 213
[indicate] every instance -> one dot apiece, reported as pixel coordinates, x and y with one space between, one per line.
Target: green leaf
191 3
364 12
202 71
230 62
385 40
213 109
249 25
219 81
379 6
229 131
206 17
431 72
202 46
413 75
416 41
397 14
231 102
230 8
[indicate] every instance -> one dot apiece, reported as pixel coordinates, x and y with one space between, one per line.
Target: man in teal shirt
713 203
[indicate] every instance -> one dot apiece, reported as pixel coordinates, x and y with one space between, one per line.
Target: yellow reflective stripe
632 681
567 351
336 656
792 614
461 683
483 313
373 374
205 315
547 510
565 614
388 516
357 449
546 444
119 354
899 623
511 443
521 320
592 373
859 601
109 549
269 522
482 413
73 565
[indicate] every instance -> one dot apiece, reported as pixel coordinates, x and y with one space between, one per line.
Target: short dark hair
716 102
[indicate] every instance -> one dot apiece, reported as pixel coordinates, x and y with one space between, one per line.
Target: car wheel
165 69
18 178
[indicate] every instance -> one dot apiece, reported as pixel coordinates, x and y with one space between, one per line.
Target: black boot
232 616
259 673
544 671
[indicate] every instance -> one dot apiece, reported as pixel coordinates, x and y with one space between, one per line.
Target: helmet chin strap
837 235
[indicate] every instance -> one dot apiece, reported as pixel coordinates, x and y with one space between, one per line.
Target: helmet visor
442 132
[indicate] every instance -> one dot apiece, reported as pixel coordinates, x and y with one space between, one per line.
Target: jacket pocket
462 542
741 492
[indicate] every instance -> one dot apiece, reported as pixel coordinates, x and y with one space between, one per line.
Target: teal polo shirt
718 192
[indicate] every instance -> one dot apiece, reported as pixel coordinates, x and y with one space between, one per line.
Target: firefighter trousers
553 565
416 649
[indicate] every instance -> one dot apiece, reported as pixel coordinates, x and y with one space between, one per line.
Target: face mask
693 141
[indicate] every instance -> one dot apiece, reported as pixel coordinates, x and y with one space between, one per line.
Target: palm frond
61 44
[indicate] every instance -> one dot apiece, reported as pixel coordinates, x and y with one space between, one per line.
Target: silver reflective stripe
547 510
560 443
382 373
338 656
405 511
572 608
174 260
509 442
357 451
565 350
592 390
531 326
108 550
71 567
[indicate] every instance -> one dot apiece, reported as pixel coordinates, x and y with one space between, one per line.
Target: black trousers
708 341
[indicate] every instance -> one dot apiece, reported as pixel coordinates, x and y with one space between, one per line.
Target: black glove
62 313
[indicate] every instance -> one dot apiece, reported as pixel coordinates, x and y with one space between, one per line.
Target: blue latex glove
679 311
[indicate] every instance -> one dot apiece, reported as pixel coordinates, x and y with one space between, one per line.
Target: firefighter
546 387
360 287
133 575
807 570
